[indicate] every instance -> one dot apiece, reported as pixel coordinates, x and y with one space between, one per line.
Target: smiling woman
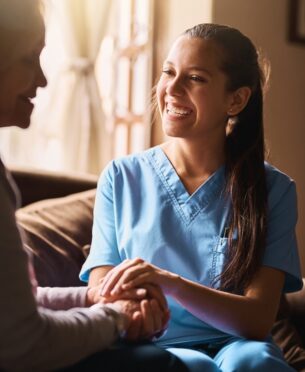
217 232
20 71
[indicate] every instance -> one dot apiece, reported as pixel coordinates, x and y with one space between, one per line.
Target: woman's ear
239 100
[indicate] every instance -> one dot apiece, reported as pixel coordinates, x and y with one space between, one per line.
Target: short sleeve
104 250
281 246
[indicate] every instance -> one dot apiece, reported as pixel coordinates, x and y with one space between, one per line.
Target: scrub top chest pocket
219 254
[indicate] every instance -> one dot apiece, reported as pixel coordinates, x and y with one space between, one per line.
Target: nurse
203 215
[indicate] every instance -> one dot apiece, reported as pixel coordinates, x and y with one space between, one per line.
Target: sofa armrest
37 185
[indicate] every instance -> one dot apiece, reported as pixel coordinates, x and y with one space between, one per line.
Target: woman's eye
167 72
197 78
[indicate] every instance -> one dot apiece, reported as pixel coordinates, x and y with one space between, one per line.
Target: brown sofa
56 220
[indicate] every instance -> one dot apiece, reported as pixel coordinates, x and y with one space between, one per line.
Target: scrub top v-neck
142 209
187 206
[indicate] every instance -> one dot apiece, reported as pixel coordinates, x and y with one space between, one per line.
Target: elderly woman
50 328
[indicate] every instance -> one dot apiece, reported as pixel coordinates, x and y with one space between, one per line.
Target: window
127 97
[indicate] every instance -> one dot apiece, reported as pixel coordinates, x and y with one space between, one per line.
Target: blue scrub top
142 209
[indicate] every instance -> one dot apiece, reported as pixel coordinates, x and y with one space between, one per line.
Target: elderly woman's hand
154 312
146 308
146 319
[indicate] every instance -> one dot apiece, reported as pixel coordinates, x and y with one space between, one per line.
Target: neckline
172 173
189 205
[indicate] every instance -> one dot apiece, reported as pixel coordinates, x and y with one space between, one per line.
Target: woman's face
192 95
20 76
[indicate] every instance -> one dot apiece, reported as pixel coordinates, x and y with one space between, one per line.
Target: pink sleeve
61 298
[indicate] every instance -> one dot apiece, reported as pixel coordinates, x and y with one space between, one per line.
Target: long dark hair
245 154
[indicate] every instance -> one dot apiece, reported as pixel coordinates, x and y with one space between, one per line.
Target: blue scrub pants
238 355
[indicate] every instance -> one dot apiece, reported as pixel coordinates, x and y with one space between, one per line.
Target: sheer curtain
75 108
68 130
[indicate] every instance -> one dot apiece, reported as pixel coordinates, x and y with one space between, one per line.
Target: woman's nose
175 87
41 78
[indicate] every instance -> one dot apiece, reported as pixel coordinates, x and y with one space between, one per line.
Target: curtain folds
75 107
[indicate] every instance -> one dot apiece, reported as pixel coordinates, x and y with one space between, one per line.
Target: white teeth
178 111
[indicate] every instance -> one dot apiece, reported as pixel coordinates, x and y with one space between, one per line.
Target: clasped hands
142 302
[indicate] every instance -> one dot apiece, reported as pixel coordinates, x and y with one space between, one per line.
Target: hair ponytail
245 152
246 186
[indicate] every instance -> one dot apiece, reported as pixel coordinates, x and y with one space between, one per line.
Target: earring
232 121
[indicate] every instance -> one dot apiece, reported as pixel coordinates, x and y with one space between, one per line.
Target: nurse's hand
136 273
148 291
94 295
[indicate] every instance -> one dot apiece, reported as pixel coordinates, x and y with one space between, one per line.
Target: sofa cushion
57 232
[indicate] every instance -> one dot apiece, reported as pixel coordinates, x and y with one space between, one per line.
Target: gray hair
18 15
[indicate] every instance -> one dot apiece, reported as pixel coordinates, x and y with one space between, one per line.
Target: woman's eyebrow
200 68
197 68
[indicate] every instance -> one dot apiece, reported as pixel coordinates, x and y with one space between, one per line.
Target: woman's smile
177 112
27 101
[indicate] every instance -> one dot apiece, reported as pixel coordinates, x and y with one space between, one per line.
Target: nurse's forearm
97 274
248 316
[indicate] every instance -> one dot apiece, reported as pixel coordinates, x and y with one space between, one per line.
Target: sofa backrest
57 233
